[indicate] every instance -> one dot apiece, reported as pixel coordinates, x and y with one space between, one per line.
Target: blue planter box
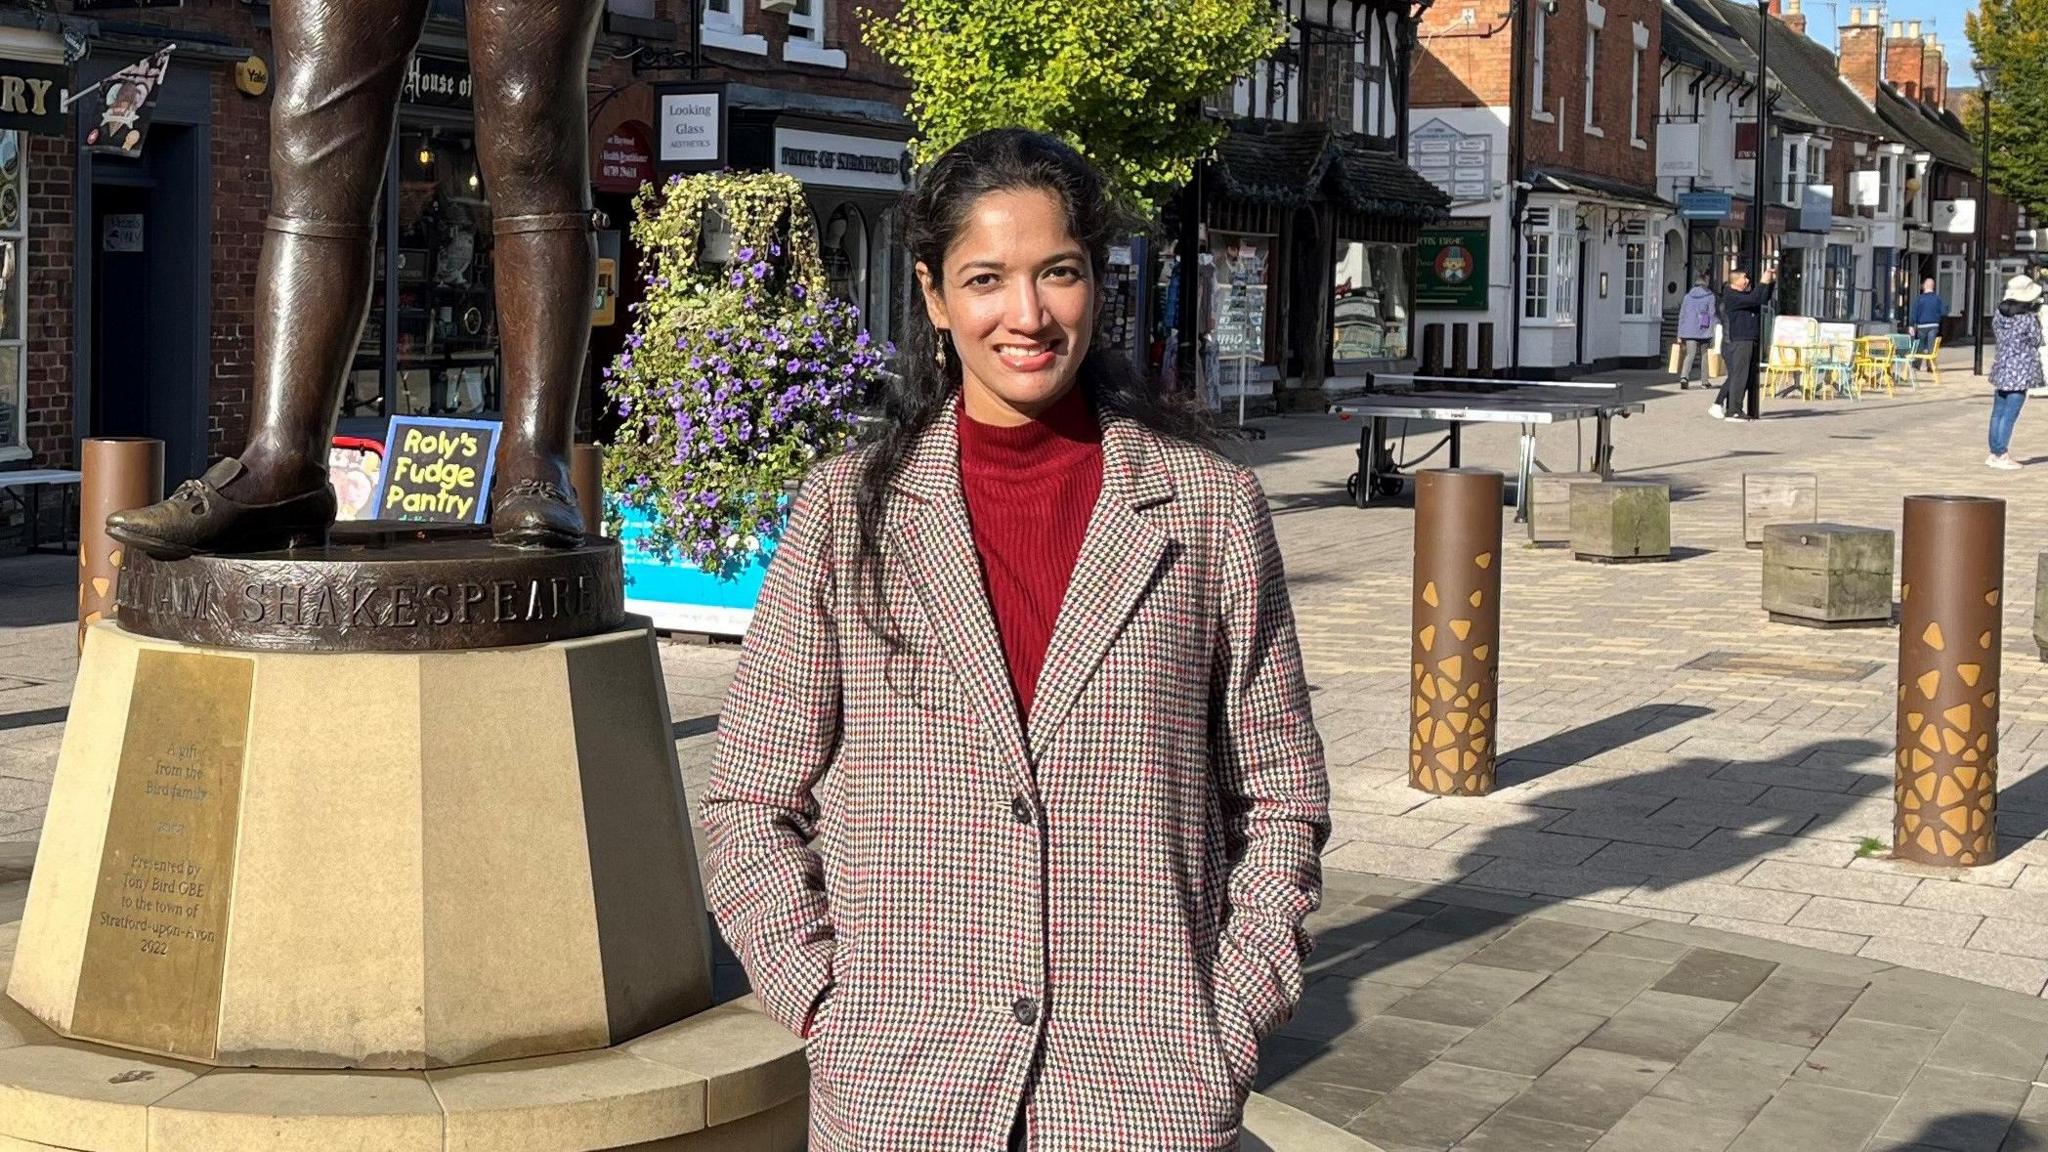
681 597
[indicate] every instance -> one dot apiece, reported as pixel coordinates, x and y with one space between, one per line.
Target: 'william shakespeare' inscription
346 606
153 952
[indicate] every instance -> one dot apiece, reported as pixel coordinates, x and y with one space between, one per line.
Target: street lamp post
1752 400
1980 296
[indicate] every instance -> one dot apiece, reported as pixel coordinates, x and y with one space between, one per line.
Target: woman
1018 801
2017 328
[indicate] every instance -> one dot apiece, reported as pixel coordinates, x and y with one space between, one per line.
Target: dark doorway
1791 281
149 244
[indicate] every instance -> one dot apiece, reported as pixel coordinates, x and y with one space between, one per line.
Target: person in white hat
2017 328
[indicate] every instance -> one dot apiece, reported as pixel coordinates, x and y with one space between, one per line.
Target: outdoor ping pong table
1529 404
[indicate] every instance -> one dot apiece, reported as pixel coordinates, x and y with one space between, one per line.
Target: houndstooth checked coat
1096 915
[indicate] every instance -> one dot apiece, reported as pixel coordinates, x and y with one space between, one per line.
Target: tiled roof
1289 164
1806 70
1921 128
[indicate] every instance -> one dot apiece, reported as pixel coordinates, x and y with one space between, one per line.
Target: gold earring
942 349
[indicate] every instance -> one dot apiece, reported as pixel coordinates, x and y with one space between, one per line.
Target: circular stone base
726 1080
378 587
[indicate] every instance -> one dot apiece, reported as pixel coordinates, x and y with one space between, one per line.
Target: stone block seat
1828 575
1621 521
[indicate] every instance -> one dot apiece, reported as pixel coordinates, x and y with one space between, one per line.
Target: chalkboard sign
437 469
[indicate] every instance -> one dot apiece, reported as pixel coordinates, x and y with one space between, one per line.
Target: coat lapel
935 541
1120 556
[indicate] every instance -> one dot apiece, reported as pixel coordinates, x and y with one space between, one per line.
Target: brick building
1546 113
137 277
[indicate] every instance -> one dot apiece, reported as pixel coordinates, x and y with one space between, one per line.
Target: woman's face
1018 295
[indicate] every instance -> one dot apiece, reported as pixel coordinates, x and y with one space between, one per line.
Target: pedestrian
1696 331
2017 328
1928 309
1018 801
1743 307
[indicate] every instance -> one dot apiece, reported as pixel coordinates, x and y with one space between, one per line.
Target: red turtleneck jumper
1030 492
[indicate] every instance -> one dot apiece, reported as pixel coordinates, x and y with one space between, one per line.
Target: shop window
1563 283
1536 260
1838 284
443 323
13 289
843 245
1372 302
1242 266
1635 278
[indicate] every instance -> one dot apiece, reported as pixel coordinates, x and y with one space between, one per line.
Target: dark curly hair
1000 160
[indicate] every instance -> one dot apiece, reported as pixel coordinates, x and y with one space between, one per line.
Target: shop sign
1678 150
1745 140
125 101
435 82
1955 217
625 160
1705 205
831 160
1816 207
32 97
121 232
1451 262
1458 163
692 128
438 469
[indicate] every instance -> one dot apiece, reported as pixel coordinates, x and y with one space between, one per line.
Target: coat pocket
1235 1039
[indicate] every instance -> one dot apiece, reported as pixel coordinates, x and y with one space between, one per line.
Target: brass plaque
153 953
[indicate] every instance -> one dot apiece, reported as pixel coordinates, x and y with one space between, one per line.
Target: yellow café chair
1929 360
1786 371
1873 365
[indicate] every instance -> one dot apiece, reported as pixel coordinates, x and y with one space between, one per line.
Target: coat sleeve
777 735
1270 777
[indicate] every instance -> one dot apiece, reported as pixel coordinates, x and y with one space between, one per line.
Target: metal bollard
119 473
1950 586
586 472
1454 647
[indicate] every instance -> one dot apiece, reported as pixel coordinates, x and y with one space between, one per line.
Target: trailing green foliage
2012 35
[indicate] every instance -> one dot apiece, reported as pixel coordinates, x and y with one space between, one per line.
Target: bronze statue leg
339 67
531 59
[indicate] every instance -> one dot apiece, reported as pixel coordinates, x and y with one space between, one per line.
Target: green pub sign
1451 266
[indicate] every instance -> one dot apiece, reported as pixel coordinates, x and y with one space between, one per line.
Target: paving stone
1706 786
2027 906
2029 1131
1524 1038
1866 1056
1840 943
1747 817
1789 1009
1643 947
1409 830
1956 1110
1410 960
1659 1125
1333 1006
1761 845
1891 1002
1411 863
1521 844
1331 1103
1597 982
1707 896
1468 923
1581 882
1817 881
1589 1087
2011 938
1992 1043
1635 830
1733 1075
1437 1107
1812 1118
1660 1026
1538 946
1713 975
1674 863
1590 914
2019 973
1866 919
1466 996
1508 1132
1378 1056
1491 812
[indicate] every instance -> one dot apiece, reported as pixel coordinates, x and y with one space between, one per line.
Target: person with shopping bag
1695 333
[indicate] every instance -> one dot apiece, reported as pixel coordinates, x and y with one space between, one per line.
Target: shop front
32 127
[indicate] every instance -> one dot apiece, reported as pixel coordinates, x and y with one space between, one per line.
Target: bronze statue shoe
201 517
536 514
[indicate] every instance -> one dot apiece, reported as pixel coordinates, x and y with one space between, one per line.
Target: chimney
1904 57
1860 47
1934 74
1794 18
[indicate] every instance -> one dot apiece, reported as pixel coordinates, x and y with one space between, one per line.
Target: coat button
1020 810
1026 1010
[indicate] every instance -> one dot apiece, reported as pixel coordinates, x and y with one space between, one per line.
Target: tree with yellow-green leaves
2012 37
1121 80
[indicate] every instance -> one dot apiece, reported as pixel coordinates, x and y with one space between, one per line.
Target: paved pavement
1666 929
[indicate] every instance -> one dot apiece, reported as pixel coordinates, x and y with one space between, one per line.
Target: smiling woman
1021 691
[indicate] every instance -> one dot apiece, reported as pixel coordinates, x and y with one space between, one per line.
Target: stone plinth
1550 506
365 860
1621 521
1828 575
1777 498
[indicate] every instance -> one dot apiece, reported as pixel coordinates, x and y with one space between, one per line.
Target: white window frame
1635 277
727 29
1638 46
1564 284
806 43
1592 72
1537 270
1539 30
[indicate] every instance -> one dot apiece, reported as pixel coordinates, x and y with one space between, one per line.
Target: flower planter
679 596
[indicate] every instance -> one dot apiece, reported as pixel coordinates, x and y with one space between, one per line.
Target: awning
1290 165
1598 189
